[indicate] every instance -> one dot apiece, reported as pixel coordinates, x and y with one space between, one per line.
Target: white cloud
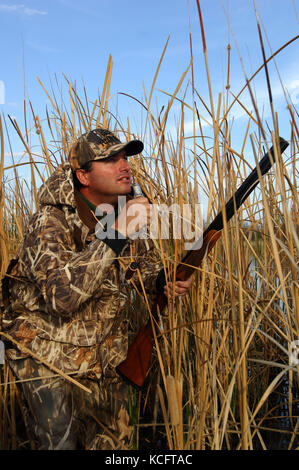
293 89
22 9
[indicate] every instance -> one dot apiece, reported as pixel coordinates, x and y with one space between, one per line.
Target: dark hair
86 167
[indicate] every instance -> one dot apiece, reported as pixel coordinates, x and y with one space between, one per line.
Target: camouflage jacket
68 289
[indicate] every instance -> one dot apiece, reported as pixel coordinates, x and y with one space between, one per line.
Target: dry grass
225 376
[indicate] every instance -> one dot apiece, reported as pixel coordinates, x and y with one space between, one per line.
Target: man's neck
94 201
90 204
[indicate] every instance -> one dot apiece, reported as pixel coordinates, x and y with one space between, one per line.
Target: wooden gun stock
135 367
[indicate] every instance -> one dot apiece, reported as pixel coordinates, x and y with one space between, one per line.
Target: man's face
107 179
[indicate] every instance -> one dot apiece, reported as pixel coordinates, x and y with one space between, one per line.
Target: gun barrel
242 192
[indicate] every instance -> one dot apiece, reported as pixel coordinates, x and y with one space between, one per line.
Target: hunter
65 297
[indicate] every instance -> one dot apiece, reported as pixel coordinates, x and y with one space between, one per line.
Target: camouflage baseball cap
99 144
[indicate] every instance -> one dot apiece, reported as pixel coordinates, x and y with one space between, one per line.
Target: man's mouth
124 179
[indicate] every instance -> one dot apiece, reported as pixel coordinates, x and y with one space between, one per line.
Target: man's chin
125 191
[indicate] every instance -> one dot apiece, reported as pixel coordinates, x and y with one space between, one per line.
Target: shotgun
135 367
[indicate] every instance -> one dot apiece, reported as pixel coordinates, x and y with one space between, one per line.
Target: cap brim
133 147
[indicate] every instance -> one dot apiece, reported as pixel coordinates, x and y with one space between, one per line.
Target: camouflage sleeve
66 278
149 264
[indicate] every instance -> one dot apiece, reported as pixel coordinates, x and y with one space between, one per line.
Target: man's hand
181 288
134 216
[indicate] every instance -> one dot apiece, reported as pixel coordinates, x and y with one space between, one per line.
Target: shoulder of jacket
46 214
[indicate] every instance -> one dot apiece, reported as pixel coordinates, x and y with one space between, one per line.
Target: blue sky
44 38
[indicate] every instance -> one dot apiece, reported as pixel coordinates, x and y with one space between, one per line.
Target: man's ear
82 177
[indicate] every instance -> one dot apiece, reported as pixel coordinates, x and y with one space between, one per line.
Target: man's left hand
180 288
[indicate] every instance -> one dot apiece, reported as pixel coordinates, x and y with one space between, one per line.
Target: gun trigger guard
131 270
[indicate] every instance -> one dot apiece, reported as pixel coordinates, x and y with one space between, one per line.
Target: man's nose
124 164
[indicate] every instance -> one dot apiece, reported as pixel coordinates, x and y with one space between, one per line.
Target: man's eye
110 159
115 158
